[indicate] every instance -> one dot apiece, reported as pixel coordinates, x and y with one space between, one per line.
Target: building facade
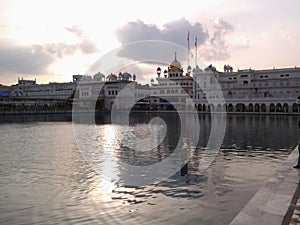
174 89
30 89
120 92
247 90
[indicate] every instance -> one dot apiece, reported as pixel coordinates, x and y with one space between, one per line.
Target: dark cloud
36 59
172 37
154 52
174 31
16 59
216 48
210 37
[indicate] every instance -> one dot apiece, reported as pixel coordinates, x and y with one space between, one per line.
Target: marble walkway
277 201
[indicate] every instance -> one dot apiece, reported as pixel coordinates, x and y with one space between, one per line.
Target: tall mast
188 43
196 51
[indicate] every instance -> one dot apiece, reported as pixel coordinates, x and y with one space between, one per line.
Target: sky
52 40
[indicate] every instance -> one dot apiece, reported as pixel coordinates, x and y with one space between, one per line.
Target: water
45 179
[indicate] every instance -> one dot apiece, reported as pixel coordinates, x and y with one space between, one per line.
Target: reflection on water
45 180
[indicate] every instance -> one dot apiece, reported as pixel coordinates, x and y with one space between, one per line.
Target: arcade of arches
251 107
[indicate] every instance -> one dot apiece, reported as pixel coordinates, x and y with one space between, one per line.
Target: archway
230 108
204 107
278 107
294 107
256 107
263 107
240 107
211 107
219 107
272 107
250 107
285 107
199 107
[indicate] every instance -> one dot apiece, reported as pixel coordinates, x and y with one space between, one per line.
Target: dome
126 75
176 64
99 76
111 77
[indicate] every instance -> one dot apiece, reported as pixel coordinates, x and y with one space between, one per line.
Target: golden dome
176 64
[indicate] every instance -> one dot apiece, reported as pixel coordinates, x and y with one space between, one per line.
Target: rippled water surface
44 178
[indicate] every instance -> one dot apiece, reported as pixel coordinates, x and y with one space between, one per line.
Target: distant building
30 89
248 90
120 92
5 91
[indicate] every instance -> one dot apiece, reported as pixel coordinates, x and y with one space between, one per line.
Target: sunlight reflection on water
45 180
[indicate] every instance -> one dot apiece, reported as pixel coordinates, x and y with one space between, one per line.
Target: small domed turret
152 81
112 77
99 76
165 73
158 71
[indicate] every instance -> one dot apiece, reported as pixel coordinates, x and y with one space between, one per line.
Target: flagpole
188 42
196 51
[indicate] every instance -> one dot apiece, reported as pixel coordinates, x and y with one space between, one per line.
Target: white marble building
248 90
120 92
30 89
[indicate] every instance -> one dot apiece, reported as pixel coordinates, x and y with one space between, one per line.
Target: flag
196 42
188 37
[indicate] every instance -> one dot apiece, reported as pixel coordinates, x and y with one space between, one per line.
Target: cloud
37 58
76 30
211 37
25 59
174 31
216 46
86 46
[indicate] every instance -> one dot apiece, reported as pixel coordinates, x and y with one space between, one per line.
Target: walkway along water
274 202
